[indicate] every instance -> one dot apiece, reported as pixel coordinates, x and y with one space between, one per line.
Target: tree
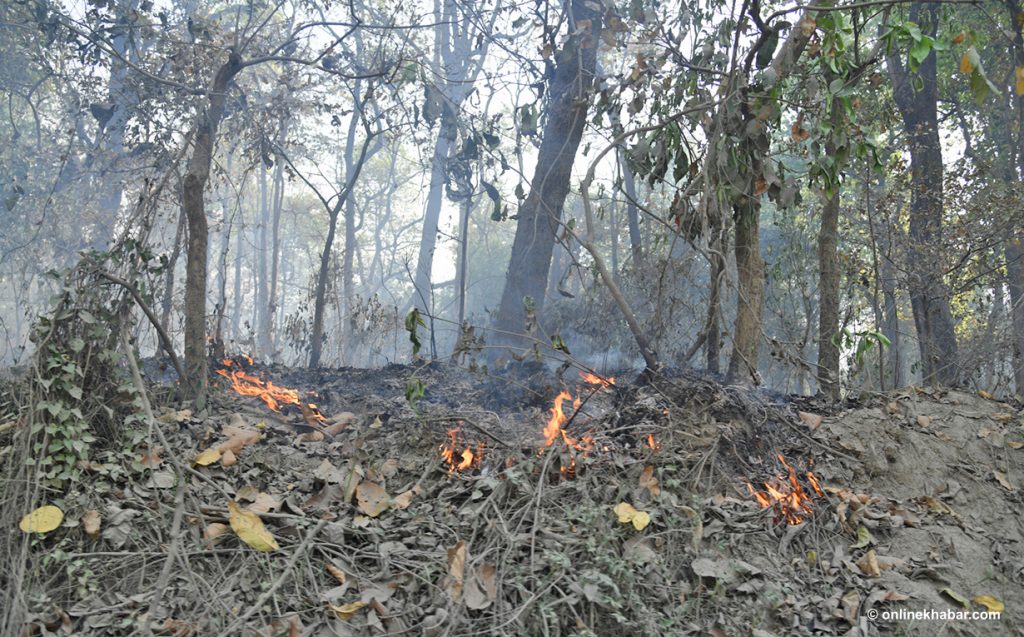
915 93
540 214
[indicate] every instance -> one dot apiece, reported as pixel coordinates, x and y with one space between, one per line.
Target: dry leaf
851 606
249 528
208 457
264 503
311 436
456 570
389 468
151 458
402 500
345 613
869 564
1003 480
91 523
176 416
42 520
239 437
813 421
626 514
924 421
481 587
991 603
228 458
981 392
1015 444
337 573
649 482
213 532
371 498
956 597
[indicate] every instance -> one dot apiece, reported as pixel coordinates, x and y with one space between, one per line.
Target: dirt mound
636 520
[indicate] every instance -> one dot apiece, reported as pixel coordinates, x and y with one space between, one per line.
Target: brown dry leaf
264 503
290 626
371 498
649 482
239 437
389 468
346 612
936 506
943 436
1003 480
310 436
1015 444
213 532
228 458
808 25
208 457
249 528
337 573
869 564
813 421
456 570
893 407
851 606
91 523
176 416
981 392
151 458
924 421
404 499
481 587
1002 417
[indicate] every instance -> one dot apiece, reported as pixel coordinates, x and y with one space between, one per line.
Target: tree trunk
428 241
632 212
828 279
263 267
1015 282
275 250
929 297
197 174
172 263
540 214
750 288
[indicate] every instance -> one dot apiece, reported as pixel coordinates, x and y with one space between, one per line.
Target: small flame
460 460
787 496
594 379
653 443
273 396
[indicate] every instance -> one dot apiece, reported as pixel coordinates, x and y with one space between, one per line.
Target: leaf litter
651 532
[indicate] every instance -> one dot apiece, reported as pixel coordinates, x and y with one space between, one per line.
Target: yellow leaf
346 612
625 511
991 603
208 457
1019 85
966 67
641 520
42 520
863 538
249 528
959 38
371 498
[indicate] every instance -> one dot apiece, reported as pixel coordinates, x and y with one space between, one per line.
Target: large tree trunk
929 297
432 215
198 173
541 213
828 280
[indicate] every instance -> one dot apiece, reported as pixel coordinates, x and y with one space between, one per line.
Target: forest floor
637 519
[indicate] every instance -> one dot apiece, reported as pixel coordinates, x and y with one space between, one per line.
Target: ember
460 460
787 496
272 396
594 379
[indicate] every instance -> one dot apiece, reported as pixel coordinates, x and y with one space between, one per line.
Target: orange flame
787 496
594 379
460 460
653 443
273 396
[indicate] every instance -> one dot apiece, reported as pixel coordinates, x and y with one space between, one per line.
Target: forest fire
594 379
460 460
787 496
274 397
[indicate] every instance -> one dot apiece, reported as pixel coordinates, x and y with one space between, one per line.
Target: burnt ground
921 510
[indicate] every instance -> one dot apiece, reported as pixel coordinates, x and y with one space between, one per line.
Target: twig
165 340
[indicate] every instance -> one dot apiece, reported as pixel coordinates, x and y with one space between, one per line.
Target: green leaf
920 50
412 321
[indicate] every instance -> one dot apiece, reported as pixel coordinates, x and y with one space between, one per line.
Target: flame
653 443
460 460
273 396
594 379
787 496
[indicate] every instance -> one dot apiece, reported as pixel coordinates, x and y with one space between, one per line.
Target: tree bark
540 214
828 279
750 290
198 173
929 297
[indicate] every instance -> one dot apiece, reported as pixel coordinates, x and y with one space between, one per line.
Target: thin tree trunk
750 292
263 266
632 212
1015 282
540 214
195 212
275 253
172 263
463 264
